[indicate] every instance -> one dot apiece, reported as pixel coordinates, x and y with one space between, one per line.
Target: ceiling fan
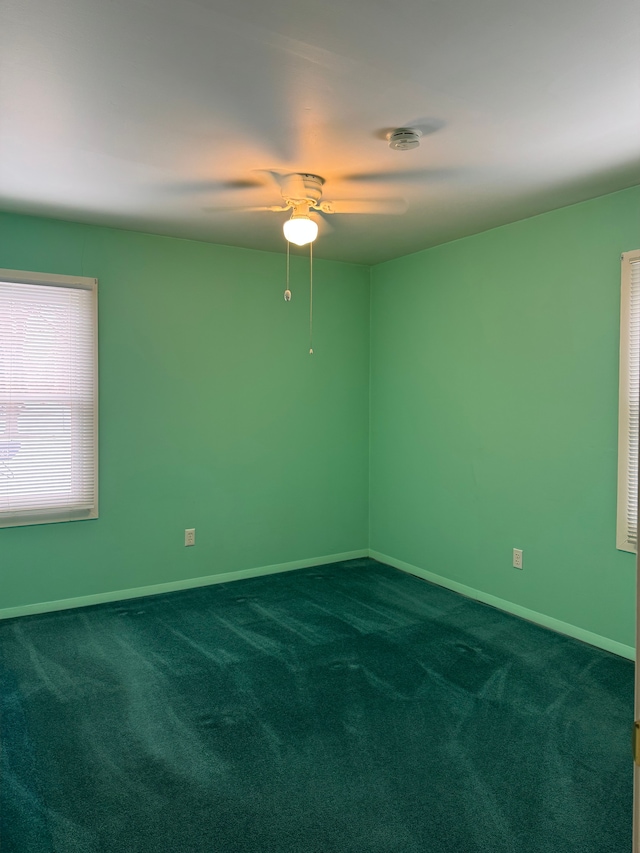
302 195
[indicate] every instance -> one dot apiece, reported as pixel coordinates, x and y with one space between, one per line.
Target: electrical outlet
190 536
517 558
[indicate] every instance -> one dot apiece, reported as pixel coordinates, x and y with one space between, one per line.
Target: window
48 398
629 405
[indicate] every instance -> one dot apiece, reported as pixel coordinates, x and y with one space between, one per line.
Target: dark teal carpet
346 709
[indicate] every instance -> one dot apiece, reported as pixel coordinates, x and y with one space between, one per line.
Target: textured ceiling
142 113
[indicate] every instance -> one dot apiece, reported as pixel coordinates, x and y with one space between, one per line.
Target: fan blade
249 209
406 175
324 226
392 206
273 174
191 187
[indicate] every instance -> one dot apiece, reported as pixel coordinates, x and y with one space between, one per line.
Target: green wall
212 413
494 372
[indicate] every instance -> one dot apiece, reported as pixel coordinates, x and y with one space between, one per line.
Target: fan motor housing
404 139
290 187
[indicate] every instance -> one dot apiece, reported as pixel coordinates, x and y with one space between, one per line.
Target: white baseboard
523 612
172 586
225 577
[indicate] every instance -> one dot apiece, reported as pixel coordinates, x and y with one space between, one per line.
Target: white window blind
629 403
48 398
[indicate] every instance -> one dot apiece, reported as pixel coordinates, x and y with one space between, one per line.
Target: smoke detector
404 138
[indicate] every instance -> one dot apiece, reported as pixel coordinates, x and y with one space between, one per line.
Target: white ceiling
141 113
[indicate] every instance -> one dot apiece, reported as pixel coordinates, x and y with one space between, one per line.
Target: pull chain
311 298
287 293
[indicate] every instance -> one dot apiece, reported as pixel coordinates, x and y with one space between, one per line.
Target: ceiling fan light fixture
300 229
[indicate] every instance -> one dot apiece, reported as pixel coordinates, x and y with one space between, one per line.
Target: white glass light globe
300 230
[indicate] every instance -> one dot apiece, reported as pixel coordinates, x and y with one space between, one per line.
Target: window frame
57 514
623 537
